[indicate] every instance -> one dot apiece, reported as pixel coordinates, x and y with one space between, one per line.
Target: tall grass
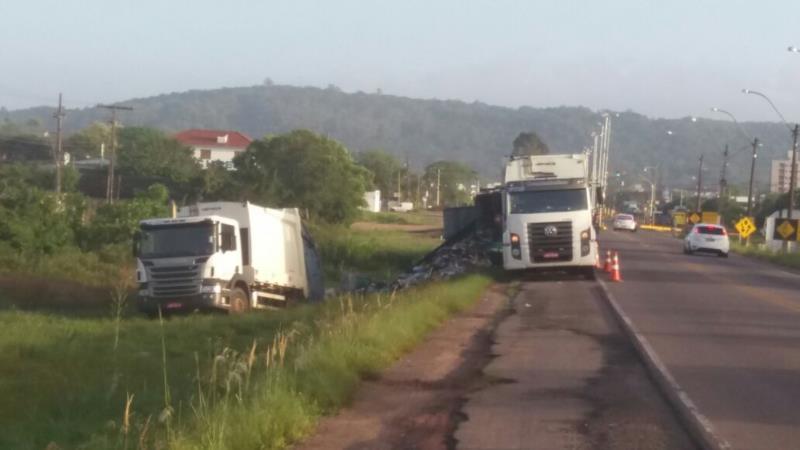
784 259
381 254
257 381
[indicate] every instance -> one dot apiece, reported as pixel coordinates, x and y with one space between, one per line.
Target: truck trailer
547 212
227 256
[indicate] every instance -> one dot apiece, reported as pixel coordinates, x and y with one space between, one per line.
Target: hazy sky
667 58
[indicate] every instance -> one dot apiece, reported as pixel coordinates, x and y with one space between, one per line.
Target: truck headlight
211 289
585 247
516 252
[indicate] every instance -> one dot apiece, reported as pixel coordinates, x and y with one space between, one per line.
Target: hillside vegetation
425 131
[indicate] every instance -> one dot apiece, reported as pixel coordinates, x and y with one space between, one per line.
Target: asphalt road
727 329
565 377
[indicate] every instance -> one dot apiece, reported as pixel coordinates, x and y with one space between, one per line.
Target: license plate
173 305
709 239
550 255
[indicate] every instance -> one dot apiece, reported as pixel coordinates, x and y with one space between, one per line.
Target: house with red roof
214 145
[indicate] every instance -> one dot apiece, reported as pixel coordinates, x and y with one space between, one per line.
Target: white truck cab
547 210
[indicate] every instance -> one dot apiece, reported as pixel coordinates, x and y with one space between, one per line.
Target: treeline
296 169
426 131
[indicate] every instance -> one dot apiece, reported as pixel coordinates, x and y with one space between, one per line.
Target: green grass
69 281
256 381
784 259
378 254
402 218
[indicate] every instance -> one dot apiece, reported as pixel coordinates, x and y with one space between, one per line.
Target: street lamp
793 168
652 191
755 145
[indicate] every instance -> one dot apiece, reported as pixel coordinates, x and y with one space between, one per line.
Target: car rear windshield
711 230
624 217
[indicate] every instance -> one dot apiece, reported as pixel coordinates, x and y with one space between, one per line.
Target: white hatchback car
624 222
707 237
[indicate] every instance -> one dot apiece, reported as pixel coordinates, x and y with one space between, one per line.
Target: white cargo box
544 167
272 241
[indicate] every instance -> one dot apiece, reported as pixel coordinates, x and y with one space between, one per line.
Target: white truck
547 210
225 255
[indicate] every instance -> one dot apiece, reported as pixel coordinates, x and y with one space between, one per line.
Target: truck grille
175 281
550 248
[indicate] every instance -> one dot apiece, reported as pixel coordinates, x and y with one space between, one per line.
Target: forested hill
428 130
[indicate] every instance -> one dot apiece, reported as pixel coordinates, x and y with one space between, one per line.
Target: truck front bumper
150 305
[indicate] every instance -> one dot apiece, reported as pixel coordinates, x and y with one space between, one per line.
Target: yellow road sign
786 229
709 217
679 218
745 227
694 218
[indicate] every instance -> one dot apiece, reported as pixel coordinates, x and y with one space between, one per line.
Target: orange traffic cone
607 267
615 275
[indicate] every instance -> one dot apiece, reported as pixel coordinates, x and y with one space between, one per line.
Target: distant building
779 176
214 145
373 201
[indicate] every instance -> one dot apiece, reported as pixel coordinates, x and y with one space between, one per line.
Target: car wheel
723 255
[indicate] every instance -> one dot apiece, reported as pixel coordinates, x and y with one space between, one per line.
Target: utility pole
113 153
699 183
752 175
793 172
438 183
723 182
58 152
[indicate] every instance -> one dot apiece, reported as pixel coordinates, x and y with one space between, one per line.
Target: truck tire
589 273
238 302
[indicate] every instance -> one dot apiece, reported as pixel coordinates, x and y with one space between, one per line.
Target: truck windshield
194 239
529 202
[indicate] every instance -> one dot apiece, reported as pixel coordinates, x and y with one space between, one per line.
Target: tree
385 169
528 144
303 169
149 152
116 223
455 179
87 142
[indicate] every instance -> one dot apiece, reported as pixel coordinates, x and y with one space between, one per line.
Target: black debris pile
472 252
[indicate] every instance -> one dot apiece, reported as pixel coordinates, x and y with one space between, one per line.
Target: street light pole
699 183
793 172
752 174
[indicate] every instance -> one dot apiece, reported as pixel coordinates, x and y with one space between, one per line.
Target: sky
669 59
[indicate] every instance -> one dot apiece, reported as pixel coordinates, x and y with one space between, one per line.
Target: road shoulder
412 404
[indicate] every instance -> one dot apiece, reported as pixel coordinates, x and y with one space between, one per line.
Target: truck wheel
238 302
589 273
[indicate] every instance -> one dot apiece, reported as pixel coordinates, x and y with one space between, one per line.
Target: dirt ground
415 403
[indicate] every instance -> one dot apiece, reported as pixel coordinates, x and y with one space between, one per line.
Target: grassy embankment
215 382
218 382
784 259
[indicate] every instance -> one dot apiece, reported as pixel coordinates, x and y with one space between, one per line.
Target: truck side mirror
137 244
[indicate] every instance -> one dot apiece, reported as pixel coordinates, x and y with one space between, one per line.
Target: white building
780 174
214 145
373 201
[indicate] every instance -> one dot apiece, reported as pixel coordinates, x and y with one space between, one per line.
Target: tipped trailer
227 256
547 214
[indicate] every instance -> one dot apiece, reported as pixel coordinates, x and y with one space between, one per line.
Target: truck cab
548 214
187 263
